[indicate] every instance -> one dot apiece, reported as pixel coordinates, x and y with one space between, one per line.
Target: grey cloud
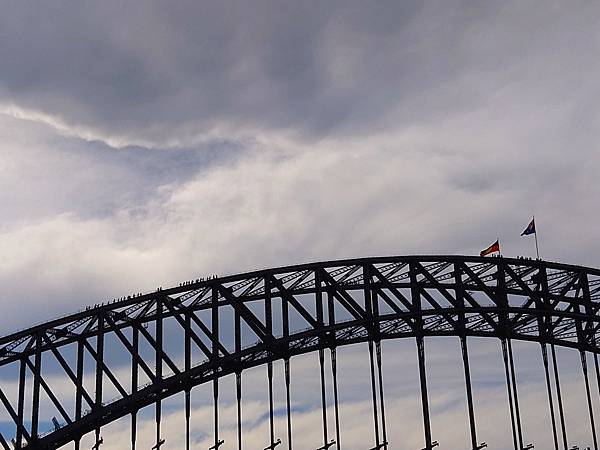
270 207
43 175
167 73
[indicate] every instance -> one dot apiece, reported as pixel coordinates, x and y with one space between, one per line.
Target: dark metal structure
228 324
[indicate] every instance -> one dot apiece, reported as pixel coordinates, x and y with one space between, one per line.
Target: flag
495 247
530 228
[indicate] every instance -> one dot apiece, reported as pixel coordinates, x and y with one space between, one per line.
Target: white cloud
280 203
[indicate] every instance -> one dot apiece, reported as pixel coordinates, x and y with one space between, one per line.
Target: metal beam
253 322
374 395
99 357
51 395
3 442
323 397
469 391
515 394
21 402
559 397
70 374
187 357
589 397
424 395
290 299
215 351
335 397
238 390
135 339
550 396
381 394
271 406
288 402
37 378
509 391
159 367
104 368
133 350
14 416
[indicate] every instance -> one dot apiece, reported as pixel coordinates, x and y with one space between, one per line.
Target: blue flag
530 228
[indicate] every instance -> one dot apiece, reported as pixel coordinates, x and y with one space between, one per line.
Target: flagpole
537 249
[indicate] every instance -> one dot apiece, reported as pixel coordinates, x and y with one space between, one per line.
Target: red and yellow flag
495 247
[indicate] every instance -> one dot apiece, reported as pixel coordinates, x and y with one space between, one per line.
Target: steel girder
279 313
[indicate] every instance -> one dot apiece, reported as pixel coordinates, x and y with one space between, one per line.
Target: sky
149 143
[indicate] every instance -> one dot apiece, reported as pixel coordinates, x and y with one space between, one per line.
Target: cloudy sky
144 144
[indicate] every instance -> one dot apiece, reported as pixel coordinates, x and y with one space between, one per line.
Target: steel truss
279 313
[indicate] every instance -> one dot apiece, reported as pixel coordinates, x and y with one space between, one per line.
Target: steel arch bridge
232 323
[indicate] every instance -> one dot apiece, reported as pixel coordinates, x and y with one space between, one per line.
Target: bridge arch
241 321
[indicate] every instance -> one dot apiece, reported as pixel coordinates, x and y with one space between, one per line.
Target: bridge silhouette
233 323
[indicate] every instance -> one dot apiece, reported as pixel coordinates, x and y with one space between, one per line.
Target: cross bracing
229 324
